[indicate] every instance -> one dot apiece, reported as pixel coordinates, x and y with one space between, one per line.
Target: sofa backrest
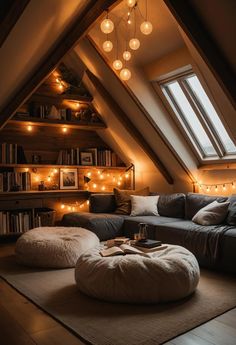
102 203
171 205
194 202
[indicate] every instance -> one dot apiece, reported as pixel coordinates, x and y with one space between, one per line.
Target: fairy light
94 185
29 128
208 189
49 178
118 183
64 129
55 171
89 174
224 187
103 188
216 188
101 177
87 202
126 175
233 185
62 206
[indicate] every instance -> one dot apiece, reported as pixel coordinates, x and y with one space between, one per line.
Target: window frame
162 87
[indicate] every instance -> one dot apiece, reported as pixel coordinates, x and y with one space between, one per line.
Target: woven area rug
101 323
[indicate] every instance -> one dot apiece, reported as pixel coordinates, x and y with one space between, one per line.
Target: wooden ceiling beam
193 26
70 37
126 122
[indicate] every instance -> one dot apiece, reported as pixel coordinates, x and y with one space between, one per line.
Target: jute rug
101 323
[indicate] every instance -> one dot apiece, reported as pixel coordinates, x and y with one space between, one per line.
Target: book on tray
123 249
148 243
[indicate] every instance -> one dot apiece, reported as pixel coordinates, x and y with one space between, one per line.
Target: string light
223 186
64 129
29 128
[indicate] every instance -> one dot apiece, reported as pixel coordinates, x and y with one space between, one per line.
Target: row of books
8 153
69 157
12 222
91 156
47 111
15 181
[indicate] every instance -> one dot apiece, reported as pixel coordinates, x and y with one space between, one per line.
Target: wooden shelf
45 194
51 166
28 120
55 99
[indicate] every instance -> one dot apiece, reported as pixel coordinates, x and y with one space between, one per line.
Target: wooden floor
22 323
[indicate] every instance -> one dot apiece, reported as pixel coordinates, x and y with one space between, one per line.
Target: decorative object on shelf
41 186
86 158
36 159
129 20
54 114
68 179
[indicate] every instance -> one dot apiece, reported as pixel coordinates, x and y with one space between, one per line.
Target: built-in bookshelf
52 157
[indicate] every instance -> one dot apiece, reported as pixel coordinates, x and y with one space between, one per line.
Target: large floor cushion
168 275
54 247
104 225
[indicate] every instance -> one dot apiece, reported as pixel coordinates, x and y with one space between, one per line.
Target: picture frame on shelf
86 158
68 178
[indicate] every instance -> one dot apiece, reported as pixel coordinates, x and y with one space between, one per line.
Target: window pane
191 118
202 97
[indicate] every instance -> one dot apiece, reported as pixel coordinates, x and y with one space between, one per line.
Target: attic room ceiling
164 38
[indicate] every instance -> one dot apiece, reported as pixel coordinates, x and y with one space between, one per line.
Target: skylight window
198 117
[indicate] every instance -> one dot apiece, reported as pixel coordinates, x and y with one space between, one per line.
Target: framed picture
86 158
68 179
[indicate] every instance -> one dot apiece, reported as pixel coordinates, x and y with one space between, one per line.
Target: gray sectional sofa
214 246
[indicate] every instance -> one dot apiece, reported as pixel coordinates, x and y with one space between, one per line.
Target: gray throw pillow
212 214
231 218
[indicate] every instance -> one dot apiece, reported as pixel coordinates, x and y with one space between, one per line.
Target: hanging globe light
146 28
126 55
117 64
107 26
130 3
125 74
107 46
134 43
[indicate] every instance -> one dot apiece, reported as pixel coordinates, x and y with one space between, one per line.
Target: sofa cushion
131 224
144 205
172 205
123 202
194 202
212 214
105 226
231 218
102 203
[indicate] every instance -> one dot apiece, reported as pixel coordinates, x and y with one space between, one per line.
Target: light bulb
64 129
89 174
224 187
146 28
130 3
134 43
107 26
29 128
216 188
55 171
125 74
126 175
103 187
233 185
126 55
107 46
117 64
208 189
62 206
87 202
94 185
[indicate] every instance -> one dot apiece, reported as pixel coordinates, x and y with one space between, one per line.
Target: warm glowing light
107 26
120 178
134 43
118 183
146 28
126 175
233 185
62 206
60 86
77 105
94 185
200 187
37 179
55 171
103 187
81 206
114 179
224 187
101 176
208 189
69 208
87 202
108 174
126 55
125 74
49 178
29 128
107 46
26 169
99 172
64 129
73 208
131 3
129 21
89 174
117 64
58 80
216 188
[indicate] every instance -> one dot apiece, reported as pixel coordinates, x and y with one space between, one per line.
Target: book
123 249
151 250
117 241
148 243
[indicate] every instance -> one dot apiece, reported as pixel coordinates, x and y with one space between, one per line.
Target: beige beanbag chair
168 275
54 247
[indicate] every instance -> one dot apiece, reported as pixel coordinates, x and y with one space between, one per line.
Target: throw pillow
212 214
144 205
123 202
